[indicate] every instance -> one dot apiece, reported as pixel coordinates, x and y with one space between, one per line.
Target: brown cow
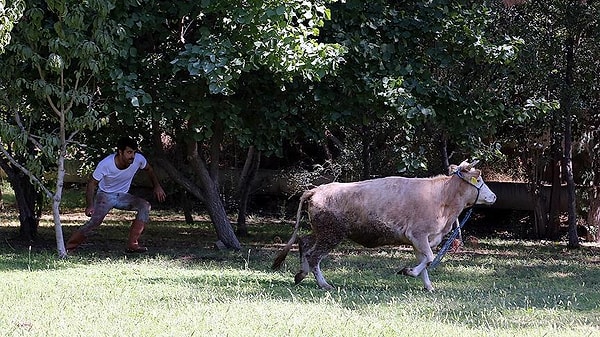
385 211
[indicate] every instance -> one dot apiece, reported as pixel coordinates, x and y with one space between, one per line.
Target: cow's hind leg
312 252
305 244
326 236
315 266
330 232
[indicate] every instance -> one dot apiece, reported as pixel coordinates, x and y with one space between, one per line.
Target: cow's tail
286 249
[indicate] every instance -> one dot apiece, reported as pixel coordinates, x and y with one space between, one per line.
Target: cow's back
376 212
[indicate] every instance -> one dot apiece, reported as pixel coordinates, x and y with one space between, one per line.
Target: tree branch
48 98
26 171
178 177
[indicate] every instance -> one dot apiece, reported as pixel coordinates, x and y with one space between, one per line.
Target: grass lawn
184 287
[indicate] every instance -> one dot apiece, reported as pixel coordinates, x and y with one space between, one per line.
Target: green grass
8 196
183 287
504 288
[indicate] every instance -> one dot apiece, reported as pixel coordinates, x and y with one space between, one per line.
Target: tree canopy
397 87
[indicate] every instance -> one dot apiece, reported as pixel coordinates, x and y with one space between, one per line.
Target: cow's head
472 176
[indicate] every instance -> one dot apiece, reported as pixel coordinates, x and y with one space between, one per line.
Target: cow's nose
492 198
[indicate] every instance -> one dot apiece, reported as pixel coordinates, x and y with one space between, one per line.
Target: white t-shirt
112 179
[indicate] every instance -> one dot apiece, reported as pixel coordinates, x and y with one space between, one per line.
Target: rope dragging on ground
448 243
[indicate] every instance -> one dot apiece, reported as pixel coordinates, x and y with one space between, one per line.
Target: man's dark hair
126 142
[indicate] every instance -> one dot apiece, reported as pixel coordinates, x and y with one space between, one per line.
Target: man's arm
159 193
90 191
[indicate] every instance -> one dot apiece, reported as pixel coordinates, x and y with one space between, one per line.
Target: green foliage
277 36
416 75
539 81
237 68
393 80
9 15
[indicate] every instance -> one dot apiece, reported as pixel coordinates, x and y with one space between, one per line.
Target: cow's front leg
424 256
420 269
426 280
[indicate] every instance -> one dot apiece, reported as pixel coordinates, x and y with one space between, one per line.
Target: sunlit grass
517 293
184 287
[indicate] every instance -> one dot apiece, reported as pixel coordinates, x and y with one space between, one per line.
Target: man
112 179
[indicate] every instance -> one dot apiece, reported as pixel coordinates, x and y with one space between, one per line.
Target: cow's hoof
299 277
405 271
326 287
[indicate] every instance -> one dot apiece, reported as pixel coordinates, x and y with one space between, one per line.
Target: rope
438 258
449 241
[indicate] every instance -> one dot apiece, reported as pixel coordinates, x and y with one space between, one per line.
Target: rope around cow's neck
438 258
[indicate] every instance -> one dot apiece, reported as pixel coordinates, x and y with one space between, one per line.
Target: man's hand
89 211
159 193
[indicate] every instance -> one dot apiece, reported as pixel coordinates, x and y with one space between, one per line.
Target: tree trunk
535 163
366 153
215 151
573 237
553 229
56 199
567 107
212 200
204 187
60 178
248 174
178 177
593 218
27 199
207 193
338 143
540 215
187 208
443 148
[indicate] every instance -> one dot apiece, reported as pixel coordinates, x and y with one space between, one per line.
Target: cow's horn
474 163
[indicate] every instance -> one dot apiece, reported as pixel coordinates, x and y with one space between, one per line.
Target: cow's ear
474 163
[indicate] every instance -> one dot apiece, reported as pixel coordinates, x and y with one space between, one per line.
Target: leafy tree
227 57
422 79
554 84
9 16
61 54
